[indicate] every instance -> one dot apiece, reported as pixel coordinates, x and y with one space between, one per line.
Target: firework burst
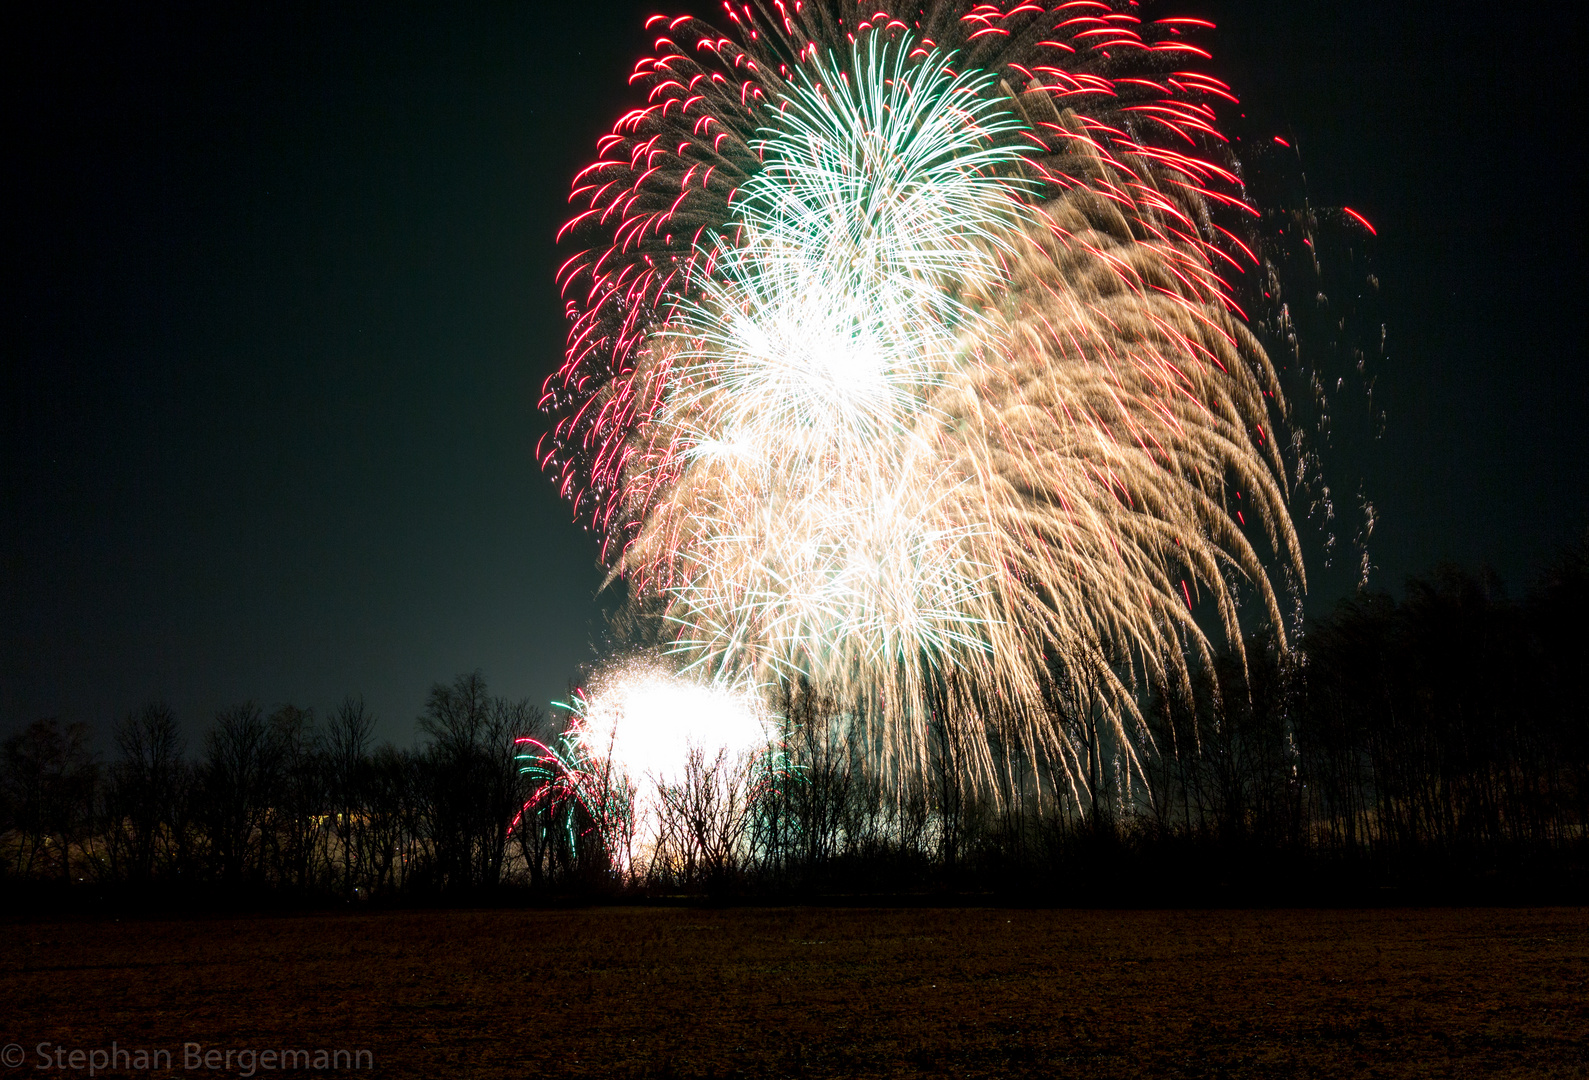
906 361
662 765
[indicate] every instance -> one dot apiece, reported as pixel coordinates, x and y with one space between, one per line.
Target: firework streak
906 361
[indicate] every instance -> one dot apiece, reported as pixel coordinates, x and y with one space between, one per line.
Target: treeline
1436 743
286 802
1436 746
1442 739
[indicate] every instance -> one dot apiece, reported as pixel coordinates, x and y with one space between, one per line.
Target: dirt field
818 992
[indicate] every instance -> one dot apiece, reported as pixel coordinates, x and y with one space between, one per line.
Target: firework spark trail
907 361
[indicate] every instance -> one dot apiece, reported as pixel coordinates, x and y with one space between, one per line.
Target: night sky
280 305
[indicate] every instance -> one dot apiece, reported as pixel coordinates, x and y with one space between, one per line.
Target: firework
665 767
906 361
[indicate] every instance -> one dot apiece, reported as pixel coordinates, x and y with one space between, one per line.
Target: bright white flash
646 735
645 722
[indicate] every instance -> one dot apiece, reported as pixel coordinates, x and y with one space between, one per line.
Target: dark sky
280 305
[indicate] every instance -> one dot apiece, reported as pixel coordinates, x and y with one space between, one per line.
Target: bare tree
238 778
814 789
394 818
541 826
505 790
298 813
146 787
347 750
476 790
48 776
706 815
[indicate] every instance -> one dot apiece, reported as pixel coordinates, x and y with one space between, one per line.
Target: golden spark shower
907 361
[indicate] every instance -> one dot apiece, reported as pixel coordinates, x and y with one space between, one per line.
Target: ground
819 992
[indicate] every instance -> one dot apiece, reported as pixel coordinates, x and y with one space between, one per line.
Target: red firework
666 175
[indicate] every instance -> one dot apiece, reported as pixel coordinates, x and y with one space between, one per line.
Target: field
816 992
